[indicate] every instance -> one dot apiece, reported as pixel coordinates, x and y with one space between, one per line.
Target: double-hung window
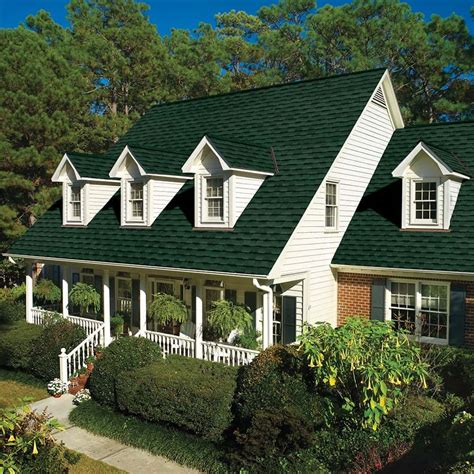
425 202
331 216
136 201
214 197
75 203
421 308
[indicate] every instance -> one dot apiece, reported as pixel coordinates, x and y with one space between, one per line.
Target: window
421 309
215 198
331 205
161 286
75 202
425 201
124 296
87 276
136 201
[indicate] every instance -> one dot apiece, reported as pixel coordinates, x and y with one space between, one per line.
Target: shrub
459 446
364 367
276 410
11 311
17 344
46 291
124 354
48 345
191 394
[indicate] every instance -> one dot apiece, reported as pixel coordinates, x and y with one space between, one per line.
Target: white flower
81 396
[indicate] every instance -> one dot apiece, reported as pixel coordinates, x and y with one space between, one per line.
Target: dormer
86 186
227 174
150 178
431 181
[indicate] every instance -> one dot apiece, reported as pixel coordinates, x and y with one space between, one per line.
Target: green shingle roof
91 166
243 155
451 159
374 237
158 161
306 123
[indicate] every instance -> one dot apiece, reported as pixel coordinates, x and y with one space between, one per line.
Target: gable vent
379 98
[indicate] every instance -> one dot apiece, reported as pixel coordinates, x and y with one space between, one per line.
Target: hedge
11 311
191 394
122 355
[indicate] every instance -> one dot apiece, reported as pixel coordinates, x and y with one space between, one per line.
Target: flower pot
90 366
98 354
57 395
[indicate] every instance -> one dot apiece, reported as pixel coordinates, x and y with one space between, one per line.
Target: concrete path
112 452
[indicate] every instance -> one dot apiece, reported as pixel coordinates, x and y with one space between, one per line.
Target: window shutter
377 306
250 301
100 289
289 319
112 295
230 295
135 319
75 278
457 314
193 304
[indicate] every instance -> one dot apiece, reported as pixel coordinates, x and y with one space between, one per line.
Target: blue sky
168 14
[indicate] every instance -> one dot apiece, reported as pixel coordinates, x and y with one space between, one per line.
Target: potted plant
82 376
116 325
167 309
81 396
90 363
98 351
56 388
86 297
226 316
47 292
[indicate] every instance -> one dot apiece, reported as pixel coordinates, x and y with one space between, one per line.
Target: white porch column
268 318
106 305
199 321
65 290
142 302
29 291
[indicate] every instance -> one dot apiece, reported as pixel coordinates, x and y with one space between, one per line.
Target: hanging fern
86 297
47 292
225 316
166 308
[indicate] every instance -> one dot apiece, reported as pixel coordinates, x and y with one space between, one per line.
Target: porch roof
305 122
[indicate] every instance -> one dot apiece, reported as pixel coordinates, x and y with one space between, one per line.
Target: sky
187 14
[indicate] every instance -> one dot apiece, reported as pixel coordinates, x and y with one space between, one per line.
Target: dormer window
136 201
425 203
214 198
75 207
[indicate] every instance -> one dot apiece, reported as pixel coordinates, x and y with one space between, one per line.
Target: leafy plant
166 308
116 324
81 396
364 367
225 316
86 297
46 291
57 387
249 339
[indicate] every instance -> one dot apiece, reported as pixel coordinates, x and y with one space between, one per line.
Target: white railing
76 359
89 325
37 315
230 355
170 344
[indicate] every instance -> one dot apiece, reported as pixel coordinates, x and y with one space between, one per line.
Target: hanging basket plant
47 291
225 316
86 297
165 309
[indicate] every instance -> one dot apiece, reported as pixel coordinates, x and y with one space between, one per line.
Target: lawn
86 465
17 385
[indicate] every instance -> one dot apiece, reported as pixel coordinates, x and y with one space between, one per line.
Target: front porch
276 309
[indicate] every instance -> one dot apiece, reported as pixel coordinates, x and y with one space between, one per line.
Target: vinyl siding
312 247
97 197
161 192
244 188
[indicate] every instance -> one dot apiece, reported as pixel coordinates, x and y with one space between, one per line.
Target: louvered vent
379 98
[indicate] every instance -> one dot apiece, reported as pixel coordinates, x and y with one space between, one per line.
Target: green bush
17 343
459 446
276 409
48 345
123 355
191 394
11 311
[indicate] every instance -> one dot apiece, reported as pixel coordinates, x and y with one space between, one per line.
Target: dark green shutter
193 304
250 301
135 303
75 278
289 319
112 295
230 295
457 314
377 305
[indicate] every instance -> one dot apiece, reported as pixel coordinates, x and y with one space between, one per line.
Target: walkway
112 452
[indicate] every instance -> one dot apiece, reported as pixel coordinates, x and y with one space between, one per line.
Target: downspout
267 312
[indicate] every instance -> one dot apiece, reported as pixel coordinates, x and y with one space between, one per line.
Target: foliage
460 439
225 316
249 339
81 396
116 324
27 444
11 311
184 448
11 274
47 347
122 355
86 297
57 387
13 294
364 367
45 291
191 394
166 308
15 386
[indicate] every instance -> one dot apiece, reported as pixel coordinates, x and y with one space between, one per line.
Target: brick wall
354 298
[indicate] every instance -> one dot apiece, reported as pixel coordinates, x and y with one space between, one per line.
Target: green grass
15 386
86 465
178 446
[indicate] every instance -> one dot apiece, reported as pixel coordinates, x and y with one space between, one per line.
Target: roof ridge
267 148
155 149
270 86
437 124
80 153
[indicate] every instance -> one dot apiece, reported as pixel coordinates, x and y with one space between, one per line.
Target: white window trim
205 219
129 218
418 283
71 219
334 228
124 278
428 223
155 280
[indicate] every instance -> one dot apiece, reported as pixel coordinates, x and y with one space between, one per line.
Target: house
307 202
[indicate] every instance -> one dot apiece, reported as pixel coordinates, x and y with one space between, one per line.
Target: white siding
97 196
311 247
244 189
161 192
454 188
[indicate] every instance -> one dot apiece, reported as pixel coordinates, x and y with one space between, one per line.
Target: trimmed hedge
122 355
11 311
191 394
